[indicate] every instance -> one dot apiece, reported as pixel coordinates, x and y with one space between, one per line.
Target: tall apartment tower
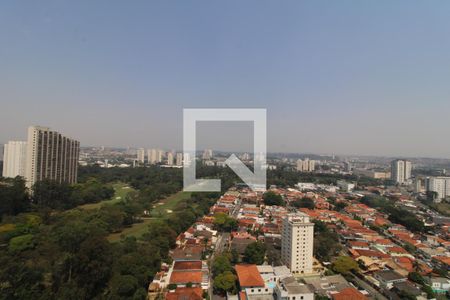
440 185
401 171
179 159
160 156
140 155
14 159
306 165
152 156
207 154
51 155
297 239
170 158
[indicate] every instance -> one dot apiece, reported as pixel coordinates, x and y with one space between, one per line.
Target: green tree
344 265
224 222
304 203
221 264
225 282
416 277
255 253
271 198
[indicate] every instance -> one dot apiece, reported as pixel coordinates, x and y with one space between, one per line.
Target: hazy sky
344 77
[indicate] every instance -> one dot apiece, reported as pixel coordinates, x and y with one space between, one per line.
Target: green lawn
164 207
121 190
161 210
135 230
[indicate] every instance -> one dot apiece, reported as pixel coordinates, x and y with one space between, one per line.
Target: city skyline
345 78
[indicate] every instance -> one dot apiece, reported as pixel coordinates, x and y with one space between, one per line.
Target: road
220 245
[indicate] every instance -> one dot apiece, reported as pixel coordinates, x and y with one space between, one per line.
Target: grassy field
161 210
136 230
164 207
121 190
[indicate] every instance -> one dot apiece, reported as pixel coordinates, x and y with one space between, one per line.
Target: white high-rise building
14 159
152 156
51 156
401 171
179 159
297 240
141 155
160 156
170 158
306 165
440 185
207 154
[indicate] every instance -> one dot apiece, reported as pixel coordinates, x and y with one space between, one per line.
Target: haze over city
344 77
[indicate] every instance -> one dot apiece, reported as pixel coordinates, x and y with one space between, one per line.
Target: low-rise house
387 278
326 286
185 293
251 282
440 285
349 293
289 288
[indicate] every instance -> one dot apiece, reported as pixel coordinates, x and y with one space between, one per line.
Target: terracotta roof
358 244
396 249
188 265
242 296
249 276
372 253
194 293
349 294
180 277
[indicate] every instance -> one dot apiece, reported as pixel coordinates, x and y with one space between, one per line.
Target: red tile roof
188 265
349 294
181 277
194 293
249 276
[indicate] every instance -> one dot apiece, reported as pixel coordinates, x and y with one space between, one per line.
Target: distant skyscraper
306 165
440 185
179 159
401 171
160 156
14 159
51 156
153 156
170 158
207 154
141 155
297 239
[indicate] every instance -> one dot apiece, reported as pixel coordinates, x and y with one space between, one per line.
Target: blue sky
344 77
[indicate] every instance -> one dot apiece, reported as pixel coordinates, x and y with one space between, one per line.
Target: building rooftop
349 294
249 276
388 275
293 287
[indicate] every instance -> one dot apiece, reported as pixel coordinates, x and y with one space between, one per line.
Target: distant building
51 155
306 165
152 156
14 159
440 185
207 154
345 186
179 159
160 156
372 174
401 171
297 238
170 158
140 155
